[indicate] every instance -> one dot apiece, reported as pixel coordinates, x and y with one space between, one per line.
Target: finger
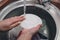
14 25
33 30
17 18
10 27
21 18
37 27
14 19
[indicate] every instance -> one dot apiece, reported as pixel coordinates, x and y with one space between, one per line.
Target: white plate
31 21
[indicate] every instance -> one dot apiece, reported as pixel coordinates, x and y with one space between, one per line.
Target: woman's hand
10 23
27 34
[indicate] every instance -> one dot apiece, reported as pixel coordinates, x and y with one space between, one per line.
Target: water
24 7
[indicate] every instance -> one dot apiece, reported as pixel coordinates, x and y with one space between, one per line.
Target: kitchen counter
56 4
7 3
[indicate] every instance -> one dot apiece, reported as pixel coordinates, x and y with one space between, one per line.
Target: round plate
31 21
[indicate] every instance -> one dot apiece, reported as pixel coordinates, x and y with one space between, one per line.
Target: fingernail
19 22
21 16
22 19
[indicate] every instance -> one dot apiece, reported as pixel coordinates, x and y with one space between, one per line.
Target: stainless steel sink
47 11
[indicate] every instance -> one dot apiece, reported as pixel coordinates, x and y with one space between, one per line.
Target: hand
10 23
27 34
